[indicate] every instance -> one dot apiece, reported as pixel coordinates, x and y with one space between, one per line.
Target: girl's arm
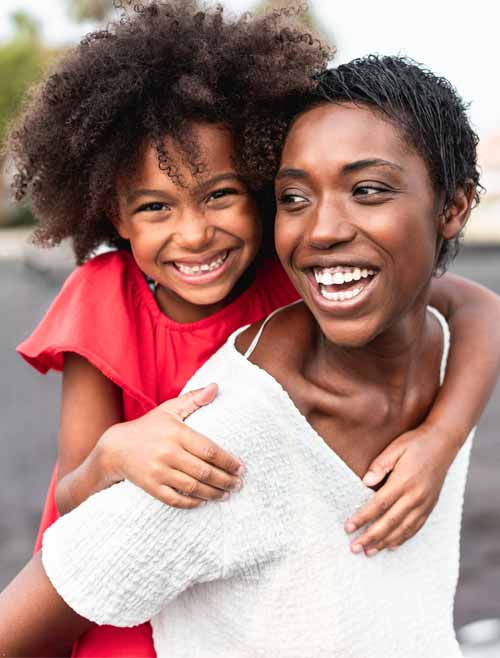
34 619
417 461
157 452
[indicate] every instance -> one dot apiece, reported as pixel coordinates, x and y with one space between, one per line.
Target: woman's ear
456 213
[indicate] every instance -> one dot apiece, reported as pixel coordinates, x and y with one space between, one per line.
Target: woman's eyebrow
370 162
289 172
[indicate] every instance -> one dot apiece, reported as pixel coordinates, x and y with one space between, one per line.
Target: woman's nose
329 226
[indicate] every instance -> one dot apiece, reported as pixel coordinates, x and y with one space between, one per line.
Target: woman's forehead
334 132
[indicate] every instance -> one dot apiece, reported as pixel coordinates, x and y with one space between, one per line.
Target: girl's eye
220 194
154 206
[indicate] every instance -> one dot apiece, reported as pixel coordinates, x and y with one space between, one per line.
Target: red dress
107 313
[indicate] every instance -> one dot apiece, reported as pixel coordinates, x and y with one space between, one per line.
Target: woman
306 400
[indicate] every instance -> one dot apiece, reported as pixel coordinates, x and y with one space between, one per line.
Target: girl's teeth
206 267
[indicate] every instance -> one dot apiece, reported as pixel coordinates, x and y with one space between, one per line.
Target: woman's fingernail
237 486
370 479
241 471
225 496
356 548
371 552
349 527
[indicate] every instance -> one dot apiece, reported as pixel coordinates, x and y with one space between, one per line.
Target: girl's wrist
107 455
447 434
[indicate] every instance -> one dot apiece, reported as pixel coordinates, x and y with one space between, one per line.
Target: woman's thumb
186 404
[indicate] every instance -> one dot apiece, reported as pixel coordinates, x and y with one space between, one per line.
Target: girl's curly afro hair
160 67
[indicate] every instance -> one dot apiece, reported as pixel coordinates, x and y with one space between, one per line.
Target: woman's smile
357 220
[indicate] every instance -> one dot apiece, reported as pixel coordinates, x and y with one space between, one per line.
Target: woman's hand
170 461
417 463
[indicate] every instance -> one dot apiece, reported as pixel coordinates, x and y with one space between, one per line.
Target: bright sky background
455 39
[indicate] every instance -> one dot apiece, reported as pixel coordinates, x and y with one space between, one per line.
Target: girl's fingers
209 452
383 527
174 498
185 484
205 473
403 532
375 507
384 463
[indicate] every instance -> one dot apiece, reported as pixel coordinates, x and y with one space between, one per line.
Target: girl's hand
163 456
417 465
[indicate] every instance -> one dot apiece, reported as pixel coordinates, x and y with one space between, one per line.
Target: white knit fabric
269 572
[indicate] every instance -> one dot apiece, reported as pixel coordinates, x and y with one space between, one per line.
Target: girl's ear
120 227
456 213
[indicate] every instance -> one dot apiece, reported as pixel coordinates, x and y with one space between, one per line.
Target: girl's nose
194 232
329 226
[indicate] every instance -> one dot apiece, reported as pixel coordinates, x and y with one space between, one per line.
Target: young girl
195 232
311 394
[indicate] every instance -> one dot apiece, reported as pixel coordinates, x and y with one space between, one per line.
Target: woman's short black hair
148 75
426 108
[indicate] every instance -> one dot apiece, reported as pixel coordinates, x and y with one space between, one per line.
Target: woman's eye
369 190
220 194
154 206
291 199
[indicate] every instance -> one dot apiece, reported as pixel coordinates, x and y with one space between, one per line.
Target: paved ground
29 411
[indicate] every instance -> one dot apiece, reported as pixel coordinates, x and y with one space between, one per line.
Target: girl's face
358 224
194 240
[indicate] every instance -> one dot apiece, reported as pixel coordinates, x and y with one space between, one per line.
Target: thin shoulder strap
257 336
446 341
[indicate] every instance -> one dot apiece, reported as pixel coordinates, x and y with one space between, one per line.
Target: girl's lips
203 277
346 306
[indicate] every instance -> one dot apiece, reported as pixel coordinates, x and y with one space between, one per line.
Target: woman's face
357 225
196 239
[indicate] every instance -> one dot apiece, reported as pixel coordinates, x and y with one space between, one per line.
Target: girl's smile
195 236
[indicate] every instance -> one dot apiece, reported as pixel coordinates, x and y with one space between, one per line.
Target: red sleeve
98 316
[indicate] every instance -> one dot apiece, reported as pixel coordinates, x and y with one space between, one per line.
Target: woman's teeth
202 267
339 275
328 278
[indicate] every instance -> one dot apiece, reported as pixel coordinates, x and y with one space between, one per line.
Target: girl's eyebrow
136 194
209 182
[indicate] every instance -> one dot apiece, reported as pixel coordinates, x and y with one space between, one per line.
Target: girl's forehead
207 147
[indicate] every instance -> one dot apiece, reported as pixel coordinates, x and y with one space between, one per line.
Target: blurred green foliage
23 58
90 10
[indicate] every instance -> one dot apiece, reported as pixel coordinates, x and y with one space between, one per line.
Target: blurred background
455 41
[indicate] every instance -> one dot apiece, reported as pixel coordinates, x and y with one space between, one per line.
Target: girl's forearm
34 620
92 475
473 314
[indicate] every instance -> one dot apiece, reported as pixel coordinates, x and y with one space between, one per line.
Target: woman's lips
341 289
